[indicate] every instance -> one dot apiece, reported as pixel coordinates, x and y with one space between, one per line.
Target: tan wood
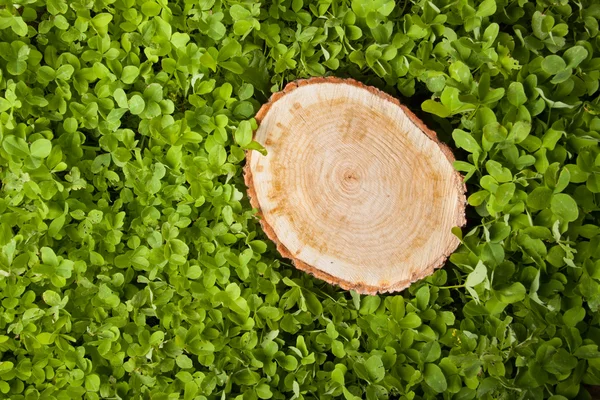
354 189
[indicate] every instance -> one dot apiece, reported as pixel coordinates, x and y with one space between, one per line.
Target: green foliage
131 264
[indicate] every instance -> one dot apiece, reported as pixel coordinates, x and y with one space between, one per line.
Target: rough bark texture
355 189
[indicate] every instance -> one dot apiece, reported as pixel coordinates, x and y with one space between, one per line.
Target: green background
132 266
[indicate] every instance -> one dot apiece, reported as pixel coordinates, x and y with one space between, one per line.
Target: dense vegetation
132 266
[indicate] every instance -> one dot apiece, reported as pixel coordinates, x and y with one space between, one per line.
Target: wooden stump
355 189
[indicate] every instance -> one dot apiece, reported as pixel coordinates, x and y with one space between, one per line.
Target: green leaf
477 276
520 131
238 12
92 383
15 146
539 198
410 321
431 352
45 338
498 172
478 198
375 368
465 141
504 193
246 377
564 207
57 6
370 304
423 295
434 378
48 256
450 99
460 72
101 20
243 134
190 390
575 55
573 316
436 108
553 64
512 293
121 98
41 148
136 104
19 26
184 361
494 132
217 156
263 391
51 298
6 366
150 8
516 94
130 73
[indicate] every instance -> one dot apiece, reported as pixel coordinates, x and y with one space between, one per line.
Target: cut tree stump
354 189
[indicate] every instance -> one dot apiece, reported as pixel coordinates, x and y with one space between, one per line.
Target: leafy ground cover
132 266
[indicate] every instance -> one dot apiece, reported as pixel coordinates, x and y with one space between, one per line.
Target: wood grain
354 189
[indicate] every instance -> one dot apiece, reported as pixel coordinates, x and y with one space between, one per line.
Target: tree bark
354 189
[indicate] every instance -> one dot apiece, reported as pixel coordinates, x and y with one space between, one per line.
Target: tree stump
354 189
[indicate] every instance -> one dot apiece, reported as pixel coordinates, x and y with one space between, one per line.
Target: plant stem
451 287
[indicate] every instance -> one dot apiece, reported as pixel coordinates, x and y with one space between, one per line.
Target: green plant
133 267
